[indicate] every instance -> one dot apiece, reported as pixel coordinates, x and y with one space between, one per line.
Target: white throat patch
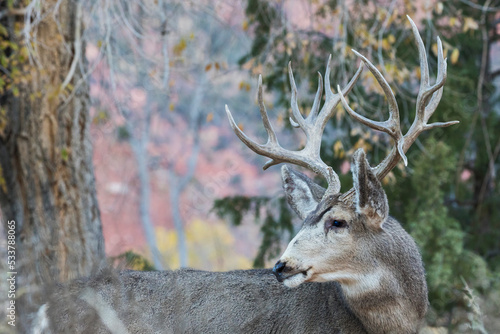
297 279
354 284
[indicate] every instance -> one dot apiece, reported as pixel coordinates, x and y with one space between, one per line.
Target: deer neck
380 303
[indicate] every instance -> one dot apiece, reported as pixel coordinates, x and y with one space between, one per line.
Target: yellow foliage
100 118
3 31
361 143
3 183
340 111
434 49
385 44
279 120
244 86
307 55
338 149
389 179
355 131
454 56
210 116
306 111
180 47
470 24
210 247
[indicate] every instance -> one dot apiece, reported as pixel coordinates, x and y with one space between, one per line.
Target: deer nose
278 269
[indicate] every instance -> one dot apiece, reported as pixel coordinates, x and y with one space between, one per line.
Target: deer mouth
286 276
290 275
295 278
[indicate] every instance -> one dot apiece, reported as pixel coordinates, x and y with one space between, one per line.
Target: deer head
336 237
345 237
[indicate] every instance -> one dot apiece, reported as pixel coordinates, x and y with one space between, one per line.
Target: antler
427 101
313 126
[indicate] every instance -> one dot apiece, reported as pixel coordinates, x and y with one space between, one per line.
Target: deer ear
371 200
301 192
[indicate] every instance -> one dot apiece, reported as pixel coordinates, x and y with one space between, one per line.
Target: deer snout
278 270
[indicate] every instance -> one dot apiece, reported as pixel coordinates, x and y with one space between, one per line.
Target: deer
351 268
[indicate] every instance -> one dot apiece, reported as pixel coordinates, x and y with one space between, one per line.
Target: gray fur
302 194
370 196
191 301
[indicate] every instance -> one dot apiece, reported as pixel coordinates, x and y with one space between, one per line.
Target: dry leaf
210 116
470 24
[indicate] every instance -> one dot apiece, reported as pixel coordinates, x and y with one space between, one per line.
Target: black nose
278 269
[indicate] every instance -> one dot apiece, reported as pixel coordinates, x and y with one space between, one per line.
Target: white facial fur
354 284
318 255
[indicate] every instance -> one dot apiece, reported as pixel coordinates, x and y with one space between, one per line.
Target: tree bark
46 159
177 182
139 147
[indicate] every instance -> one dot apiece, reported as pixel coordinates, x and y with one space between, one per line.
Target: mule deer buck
350 269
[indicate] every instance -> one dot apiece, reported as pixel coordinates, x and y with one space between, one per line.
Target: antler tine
441 77
298 120
317 101
272 149
392 126
312 126
424 67
428 96
263 113
257 148
315 108
427 102
331 99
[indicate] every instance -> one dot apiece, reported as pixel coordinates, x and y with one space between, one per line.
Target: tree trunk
48 185
141 156
178 183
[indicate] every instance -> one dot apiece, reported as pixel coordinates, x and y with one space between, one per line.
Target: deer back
192 301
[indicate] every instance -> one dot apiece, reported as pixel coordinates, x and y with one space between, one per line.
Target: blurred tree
473 29
119 49
448 197
208 247
46 177
169 52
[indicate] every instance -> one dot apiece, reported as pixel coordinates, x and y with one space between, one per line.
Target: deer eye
334 224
